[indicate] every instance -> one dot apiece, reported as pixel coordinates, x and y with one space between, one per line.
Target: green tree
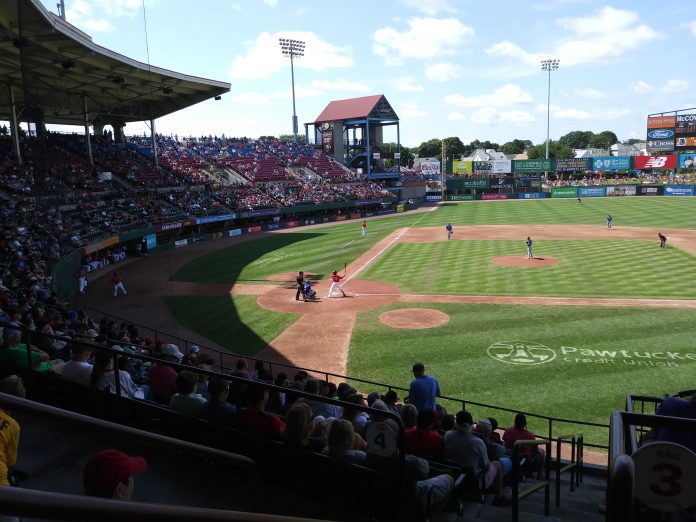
407 155
556 150
577 139
603 140
289 137
516 146
453 146
430 149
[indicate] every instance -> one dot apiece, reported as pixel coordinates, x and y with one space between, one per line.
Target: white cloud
411 110
670 86
518 117
271 3
300 92
571 114
590 94
692 25
407 84
99 25
456 116
508 94
607 33
441 72
483 116
263 57
251 98
340 85
425 38
430 7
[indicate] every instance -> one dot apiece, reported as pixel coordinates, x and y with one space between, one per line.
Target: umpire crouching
300 286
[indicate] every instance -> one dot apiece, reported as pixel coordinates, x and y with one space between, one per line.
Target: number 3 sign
665 476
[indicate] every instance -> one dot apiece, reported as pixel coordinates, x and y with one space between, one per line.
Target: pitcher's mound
415 318
523 261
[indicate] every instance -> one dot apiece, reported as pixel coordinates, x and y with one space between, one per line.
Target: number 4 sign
665 476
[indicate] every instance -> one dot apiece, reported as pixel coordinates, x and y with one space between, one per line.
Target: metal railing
73 508
516 473
327 376
575 466
16 404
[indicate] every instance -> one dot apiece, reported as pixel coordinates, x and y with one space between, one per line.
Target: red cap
107 468
148 340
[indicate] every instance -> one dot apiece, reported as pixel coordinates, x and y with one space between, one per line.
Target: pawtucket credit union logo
521 352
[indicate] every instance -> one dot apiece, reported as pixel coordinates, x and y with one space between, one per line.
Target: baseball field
596 314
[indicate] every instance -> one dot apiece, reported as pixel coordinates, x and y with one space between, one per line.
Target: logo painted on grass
521 352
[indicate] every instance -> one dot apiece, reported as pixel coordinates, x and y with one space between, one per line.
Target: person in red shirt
336 283
423 440
162 378
364 228
118 283
519 432
255 419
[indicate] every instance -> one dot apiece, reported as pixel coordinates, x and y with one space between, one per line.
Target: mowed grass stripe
456 354
586 268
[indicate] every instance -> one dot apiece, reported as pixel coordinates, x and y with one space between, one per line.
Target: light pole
292 48
549 65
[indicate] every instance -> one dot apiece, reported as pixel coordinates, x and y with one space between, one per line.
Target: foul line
405 231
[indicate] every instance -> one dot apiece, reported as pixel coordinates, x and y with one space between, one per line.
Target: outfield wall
585 192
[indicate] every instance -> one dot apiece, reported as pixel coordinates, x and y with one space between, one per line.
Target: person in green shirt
13 354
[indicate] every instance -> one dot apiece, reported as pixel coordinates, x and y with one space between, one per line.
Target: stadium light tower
549 65
293 49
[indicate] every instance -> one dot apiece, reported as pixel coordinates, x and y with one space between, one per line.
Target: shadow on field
217 261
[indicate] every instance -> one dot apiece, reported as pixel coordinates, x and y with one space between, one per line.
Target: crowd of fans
647 178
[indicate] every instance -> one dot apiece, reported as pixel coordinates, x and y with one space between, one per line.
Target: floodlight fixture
294 49
549 65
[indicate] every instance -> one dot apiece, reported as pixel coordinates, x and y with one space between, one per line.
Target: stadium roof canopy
54 69
375 106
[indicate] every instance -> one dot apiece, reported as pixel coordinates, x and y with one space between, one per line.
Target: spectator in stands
13 354
467 450
78 370
341 441
186 401
494 436
162 377
495 451
409 416
242 369
519 432
255 419
356 417
324 409
390 399
276 401
424 389
217 409
261 374
423 440
300 428
676 407
9 428
104 377
109 474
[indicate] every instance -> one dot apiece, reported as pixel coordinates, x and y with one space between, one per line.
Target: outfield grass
587 268
456 353
235 322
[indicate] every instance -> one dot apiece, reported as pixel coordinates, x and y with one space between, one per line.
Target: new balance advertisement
611 163
667 161
592 192
685 132
568 164
679 190
540 165
687 161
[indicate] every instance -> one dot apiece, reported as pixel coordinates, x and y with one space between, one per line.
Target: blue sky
449 68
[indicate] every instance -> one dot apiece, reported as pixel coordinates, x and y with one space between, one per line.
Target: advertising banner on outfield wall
151 241
661 122
180 242
492 167
564 192
493 196
533 195
475 183
611 163
235 232
649 191
687 161
592 192
679 190
685 142
261 212
433 197
461 197
215 219
528 181
622 190
430 169
540 165
506 183
567 164
433 186
462 167
667 161
256 228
